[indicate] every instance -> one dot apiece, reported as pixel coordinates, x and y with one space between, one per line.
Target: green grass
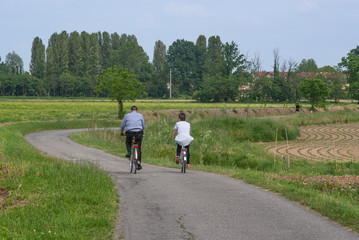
50 198
226 146
53 199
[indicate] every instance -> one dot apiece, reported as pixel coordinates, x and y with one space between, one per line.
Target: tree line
206 70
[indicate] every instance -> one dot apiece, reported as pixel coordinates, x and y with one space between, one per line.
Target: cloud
181 9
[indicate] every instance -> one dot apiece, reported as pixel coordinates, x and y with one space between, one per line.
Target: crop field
335 142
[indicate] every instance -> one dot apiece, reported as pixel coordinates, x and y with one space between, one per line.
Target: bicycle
134 156
183 157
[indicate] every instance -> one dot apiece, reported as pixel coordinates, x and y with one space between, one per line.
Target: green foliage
37 64
307 65
14 63
120 85
315 90
351 63
218 89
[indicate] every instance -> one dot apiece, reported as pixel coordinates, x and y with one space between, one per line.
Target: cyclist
134 124
183 138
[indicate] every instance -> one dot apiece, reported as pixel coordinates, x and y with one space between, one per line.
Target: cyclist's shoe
177 159
128 154
139 167
188 165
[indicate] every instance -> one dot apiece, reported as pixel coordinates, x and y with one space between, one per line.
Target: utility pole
170 83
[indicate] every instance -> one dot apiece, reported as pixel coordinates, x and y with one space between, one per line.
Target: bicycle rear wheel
134 163
131 165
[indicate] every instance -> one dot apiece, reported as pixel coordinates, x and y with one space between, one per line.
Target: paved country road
161 203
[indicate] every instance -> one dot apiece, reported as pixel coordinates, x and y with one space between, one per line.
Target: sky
325 30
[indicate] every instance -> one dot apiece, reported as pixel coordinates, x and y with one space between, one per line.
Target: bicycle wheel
131 165
181 159
134 163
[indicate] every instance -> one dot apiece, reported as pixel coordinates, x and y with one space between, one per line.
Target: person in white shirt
183 138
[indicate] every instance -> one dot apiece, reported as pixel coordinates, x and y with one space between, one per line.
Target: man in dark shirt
134 124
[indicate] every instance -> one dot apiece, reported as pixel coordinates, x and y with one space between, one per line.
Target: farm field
27 176
334 142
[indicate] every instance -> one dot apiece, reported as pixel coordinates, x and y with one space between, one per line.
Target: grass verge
47 198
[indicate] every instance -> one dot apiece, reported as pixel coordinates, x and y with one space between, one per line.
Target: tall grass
49 198
221 141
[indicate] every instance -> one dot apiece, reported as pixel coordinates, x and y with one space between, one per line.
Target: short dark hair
133 108
182 116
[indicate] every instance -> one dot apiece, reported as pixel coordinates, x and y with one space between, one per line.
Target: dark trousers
138 139
179 148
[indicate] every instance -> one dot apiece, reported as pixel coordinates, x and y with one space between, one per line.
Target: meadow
42 198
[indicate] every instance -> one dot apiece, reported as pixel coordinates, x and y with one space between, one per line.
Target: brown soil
334 142
346 181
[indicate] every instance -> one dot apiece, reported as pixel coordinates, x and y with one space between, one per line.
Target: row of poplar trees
71 63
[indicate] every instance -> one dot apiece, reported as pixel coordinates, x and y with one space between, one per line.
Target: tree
131 56
14 62
218 88
215 58
157 86
232 58
106 50
307 65
315 90
120 85
351 63
280 87
181 59
201 41
75 54
37 63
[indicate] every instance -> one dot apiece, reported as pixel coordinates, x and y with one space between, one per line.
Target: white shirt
183 129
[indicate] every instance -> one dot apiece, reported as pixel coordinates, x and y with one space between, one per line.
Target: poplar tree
37 63
106 50
75 54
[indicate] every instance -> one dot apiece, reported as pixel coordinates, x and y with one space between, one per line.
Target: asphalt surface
162 203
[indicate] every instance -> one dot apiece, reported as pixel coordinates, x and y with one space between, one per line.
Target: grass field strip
335 142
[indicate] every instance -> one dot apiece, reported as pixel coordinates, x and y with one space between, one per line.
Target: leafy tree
157 86
37 63
130 55
351 63
307 65
315 90
215 58
181 59
218 88
201 41
75 54
336 81
14 63
261 89
120 85
354 90
233 60
51 76
280 88
106 50
115 41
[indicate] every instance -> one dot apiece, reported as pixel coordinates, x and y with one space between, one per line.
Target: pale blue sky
325 30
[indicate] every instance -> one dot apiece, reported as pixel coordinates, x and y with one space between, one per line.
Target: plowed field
336 142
